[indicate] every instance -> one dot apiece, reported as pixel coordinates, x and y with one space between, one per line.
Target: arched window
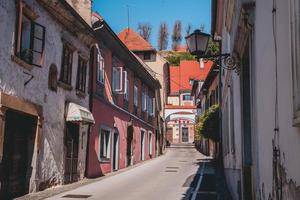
52 79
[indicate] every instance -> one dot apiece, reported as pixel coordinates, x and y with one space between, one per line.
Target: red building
181 108
123 105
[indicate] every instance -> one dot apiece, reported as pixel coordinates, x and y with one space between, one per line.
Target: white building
44 101
261 136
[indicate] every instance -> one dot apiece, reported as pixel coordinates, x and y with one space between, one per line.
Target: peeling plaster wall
289 136
263 63
13 77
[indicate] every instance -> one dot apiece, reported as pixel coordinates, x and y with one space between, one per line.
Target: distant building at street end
181 109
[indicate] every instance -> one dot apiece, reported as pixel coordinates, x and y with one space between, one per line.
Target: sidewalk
212 184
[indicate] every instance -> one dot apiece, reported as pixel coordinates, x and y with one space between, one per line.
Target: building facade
260 101
43 94
158 67
207 95
181 110
124 106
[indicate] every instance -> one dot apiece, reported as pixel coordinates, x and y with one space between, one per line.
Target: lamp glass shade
197 42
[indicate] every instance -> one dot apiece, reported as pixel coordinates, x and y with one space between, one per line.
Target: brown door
15 171
72 144
185 134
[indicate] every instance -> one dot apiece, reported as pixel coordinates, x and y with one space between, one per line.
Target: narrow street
173 176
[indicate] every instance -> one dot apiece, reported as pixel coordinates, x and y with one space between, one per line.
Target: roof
167 106
181 49
134 41
106 35
181 75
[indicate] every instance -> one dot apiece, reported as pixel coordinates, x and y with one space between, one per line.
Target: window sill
64 85
22 63
104 160
80 94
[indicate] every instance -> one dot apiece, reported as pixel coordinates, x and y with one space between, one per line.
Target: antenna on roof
128 18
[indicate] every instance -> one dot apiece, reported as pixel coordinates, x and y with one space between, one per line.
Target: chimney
83 8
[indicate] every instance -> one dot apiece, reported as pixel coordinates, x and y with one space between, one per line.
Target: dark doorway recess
72 144
185 134
129 148
16 166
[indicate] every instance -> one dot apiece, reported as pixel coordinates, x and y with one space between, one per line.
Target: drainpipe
220 104
91 97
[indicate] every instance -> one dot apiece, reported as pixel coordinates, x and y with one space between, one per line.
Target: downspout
91 97
220 105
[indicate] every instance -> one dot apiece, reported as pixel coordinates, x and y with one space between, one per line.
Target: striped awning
77 113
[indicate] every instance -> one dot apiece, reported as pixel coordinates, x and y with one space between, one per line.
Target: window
295 44
151 106
126 92
66 67
100 68
52 79
117 77
187 97
135 95
147 56
81 74
30 37
104 145
144 99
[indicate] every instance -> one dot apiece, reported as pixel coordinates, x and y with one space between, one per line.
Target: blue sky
195 12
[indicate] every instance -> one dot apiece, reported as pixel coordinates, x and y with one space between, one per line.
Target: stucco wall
13 77
110 117
264 100
263 104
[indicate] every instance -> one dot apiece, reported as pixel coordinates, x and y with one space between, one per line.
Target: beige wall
173 100
159 66
84 8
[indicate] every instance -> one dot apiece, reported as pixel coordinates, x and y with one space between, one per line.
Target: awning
77 113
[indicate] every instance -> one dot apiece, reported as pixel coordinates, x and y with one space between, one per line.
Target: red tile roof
181 75
134 41
180 107
181 48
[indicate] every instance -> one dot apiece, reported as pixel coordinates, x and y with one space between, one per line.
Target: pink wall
107 115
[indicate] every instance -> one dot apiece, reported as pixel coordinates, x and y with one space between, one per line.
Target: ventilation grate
76 196
171 171
172 167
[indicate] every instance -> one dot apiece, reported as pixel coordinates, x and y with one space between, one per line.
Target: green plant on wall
174 58
208 124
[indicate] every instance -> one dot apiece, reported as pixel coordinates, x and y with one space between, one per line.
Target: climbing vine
207 125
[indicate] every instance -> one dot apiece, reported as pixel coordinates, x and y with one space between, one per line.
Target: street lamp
197 43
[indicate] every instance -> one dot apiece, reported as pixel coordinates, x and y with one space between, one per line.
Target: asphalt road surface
170 177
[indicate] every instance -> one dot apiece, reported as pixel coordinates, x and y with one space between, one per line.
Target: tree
213 47
188 29
145 30
163 36
176 36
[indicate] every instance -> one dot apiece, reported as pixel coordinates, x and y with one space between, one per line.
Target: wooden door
15 171
71 160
